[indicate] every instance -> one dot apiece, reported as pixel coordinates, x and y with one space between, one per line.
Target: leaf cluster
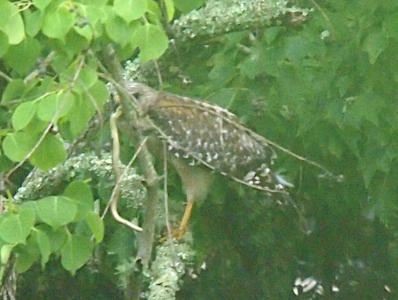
61 225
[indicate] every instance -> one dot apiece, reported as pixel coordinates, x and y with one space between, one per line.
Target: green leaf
223 97
29 49
35 129
80 116
222 72
34 21
154 13
80 192
151 40
95 13
27 255
86 32
85 109
130 10
76 42
5 253
58 22
43 242
49 106
96 225
271 33
28 205
335 147
41 4
87 78
56 210
187 5
120 31
368 106
15 29
297 48
23 114
3 44
17 145
49 154
98 93
169 9
374 44
56 237
5 164
11 22
76 252
16 227
14 90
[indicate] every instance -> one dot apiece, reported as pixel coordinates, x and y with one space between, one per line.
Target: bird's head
143 96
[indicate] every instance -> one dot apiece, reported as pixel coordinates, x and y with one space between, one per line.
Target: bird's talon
176 233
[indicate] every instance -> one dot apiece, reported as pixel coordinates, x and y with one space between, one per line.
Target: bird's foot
176 233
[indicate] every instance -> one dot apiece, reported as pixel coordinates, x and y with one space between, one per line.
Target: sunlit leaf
58 22
17 145
16 227
56 210
130 10
96 225
23 114
80 193
11 22
151 40
121 31
49 154
41 4
53 104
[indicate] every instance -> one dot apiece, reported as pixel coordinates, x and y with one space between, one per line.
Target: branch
144 159
219 17
118 174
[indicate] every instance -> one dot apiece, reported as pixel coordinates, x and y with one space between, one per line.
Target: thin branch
145 242
118 175
322 12
166 199
5 76
43 66
158 74
95 104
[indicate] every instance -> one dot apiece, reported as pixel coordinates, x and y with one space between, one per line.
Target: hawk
203 138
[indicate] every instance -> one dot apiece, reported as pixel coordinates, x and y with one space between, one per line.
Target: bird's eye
136 97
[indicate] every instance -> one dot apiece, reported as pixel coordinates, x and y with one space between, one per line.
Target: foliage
323 86
36 229
50 54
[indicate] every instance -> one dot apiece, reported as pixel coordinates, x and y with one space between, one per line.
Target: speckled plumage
201 133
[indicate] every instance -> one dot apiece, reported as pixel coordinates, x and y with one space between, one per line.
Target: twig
166 199
43 66
118 175
158 74
5 76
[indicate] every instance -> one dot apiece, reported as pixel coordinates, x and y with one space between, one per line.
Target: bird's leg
184 223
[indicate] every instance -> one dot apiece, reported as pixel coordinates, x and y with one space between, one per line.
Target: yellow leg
184 223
